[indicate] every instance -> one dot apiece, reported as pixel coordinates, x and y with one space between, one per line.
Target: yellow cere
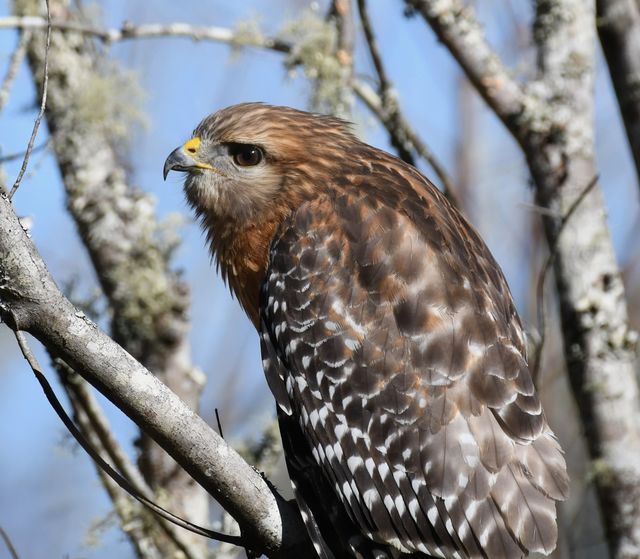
192 145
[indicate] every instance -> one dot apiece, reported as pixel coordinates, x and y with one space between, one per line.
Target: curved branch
619 30
30 301
403 136
457 28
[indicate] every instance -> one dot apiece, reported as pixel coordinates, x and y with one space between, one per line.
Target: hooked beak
179 160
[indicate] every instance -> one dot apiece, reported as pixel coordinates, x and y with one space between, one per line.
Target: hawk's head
250 157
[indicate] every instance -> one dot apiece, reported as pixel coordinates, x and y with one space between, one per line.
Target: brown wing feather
404 362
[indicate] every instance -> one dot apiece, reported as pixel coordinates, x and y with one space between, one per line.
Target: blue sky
49 493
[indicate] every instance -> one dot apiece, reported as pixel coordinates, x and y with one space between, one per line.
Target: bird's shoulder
391 230
397 341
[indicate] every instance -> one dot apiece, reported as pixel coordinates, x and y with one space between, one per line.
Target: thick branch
30 301
455 25
599 346
619 29
116 222
148 31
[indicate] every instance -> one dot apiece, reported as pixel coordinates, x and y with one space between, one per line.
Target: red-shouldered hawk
390 341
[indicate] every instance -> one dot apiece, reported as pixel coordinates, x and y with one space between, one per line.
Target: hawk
390 341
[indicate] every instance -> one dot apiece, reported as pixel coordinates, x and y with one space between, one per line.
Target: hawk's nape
390 341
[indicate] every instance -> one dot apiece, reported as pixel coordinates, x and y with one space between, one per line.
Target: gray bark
116 222
552 119
598 343
618 23
30 301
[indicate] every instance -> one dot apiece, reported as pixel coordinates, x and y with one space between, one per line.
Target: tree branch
12 70
7 541
402 133
116 222
149 31
30 301
456 27
618 23
95 427
43 104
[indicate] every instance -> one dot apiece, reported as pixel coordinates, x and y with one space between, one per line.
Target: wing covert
392 338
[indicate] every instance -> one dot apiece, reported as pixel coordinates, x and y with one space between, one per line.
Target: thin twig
14 64
219 424
372 43
404 134
84 403
387 109
149 31
9 544
43 105
542 318
21 154
99 461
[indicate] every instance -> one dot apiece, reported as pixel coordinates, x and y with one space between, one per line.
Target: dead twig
20 154
9 544
149 31
387 110
43 104
14 63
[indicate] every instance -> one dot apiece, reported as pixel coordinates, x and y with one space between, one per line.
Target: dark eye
245 155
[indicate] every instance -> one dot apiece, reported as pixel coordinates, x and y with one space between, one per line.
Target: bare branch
402 132
386 107
134 517
12 70
95 427
455 25
149 31
130 251
7 540
30 301
372 44
43 104
619 29
106 468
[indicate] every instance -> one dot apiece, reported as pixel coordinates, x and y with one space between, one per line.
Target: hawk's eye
245 155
